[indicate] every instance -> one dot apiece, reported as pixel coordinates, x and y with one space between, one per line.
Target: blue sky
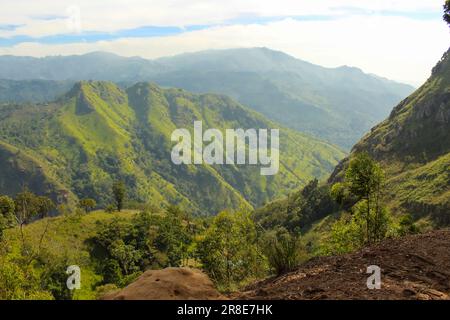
372 35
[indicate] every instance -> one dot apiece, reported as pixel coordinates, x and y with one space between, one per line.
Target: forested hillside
98 133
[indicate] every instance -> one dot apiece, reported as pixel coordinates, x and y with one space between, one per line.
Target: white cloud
115 15
397 48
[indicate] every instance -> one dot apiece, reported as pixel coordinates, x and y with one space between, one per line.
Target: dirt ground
412 267
169 284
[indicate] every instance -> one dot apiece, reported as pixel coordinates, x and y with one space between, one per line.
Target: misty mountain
335 104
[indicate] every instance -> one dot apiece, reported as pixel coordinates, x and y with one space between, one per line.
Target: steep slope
14 91
335 104
98 133
413 267
19 170
413 146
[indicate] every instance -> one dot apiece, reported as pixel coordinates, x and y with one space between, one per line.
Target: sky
397 39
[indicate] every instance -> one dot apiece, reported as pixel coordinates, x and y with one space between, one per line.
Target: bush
283 252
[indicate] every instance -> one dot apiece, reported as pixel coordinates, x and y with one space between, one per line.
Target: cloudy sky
397 39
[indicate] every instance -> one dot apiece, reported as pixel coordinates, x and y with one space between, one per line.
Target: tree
7 207
119 191
44 206
228 250
364 178
26 208
447 11
87 204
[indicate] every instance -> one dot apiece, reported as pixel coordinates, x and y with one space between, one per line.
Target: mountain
335 104
15 91
98 132
413 146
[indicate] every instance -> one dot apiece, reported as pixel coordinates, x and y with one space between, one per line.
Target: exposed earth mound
412 267
169 284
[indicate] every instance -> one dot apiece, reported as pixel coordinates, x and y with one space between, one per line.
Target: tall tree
364 178
119 191
228 250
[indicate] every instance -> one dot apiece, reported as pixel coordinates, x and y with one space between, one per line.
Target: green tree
364 179
7 207
87 204
173 237
228 250
126 255
44 206
54 277
26 208
119 192
361 192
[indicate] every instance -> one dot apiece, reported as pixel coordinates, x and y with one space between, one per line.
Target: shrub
283 252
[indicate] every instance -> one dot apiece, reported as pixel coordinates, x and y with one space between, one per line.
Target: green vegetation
412 147
369 220
119 192
112 249
283 251
87 204
229 251
98 134
32 91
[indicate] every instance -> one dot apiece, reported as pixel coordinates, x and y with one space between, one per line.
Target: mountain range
334 104
98 132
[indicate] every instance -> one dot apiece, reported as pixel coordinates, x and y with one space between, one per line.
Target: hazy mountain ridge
335 104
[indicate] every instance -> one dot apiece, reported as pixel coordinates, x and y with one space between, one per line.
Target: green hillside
14 91
98 133
413 146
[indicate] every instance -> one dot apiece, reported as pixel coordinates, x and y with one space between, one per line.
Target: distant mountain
98 132
335 104
19 91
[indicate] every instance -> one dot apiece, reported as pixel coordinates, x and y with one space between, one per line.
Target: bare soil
169 284
412 267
